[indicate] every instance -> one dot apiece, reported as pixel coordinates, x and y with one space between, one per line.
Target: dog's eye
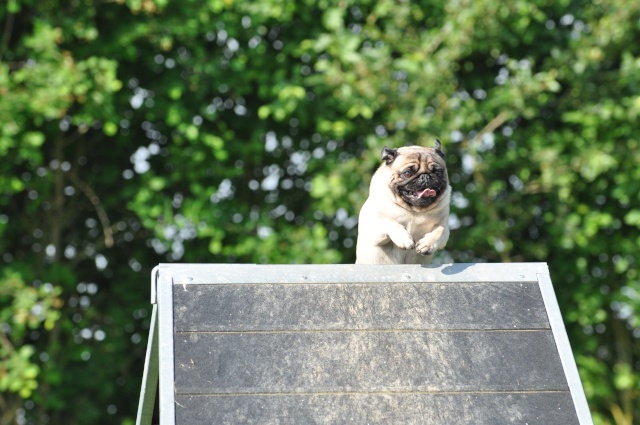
408 173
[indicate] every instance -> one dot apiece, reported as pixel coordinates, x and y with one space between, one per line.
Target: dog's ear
438 150
389 155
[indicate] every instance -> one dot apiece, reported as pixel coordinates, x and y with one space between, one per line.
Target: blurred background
134 132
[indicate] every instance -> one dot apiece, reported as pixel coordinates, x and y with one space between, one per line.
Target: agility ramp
359 344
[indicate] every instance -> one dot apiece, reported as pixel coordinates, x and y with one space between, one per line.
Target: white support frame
564 349
151 366
150 375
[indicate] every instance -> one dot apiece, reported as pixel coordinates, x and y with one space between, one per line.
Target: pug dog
404 219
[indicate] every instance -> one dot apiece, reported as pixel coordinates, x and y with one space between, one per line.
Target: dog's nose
424 178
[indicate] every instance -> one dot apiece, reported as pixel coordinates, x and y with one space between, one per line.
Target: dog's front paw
433 241
427 245
403 240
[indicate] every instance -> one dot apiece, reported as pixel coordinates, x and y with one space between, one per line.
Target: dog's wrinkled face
418 175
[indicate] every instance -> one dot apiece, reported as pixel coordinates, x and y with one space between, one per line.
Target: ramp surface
462 343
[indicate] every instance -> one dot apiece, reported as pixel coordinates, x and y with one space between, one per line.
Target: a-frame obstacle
337 344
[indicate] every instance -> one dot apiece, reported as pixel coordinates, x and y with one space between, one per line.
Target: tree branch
97 204
6 35
491 126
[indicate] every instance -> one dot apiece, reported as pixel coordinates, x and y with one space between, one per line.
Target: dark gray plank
213 363
506 305
361 409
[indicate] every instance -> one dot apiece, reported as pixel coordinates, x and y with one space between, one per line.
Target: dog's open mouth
419 197
425 193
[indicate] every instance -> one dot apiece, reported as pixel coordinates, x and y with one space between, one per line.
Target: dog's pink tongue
427 193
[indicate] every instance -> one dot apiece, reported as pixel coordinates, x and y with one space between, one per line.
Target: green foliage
142 131
27 308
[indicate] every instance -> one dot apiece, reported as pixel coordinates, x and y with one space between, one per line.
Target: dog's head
418 176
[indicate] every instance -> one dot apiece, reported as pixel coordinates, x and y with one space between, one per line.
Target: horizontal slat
361 409
350 273
509 305
218 363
